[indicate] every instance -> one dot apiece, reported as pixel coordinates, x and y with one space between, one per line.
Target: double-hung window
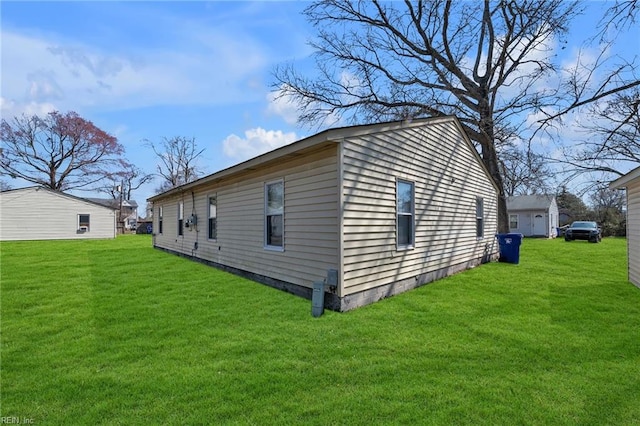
213 216
180 218
274 215
479 217
160 220
405 207
513 221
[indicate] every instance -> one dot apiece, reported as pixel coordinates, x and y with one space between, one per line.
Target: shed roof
330 136
529 202
623 181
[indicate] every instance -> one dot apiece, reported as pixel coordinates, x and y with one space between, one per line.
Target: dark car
588 231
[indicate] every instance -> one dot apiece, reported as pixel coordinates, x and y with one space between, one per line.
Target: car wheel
567 239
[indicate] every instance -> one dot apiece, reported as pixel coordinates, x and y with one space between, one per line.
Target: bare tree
125 181
487 62
612 143
178 161
524 172
592 80
608 210
58 151
480 61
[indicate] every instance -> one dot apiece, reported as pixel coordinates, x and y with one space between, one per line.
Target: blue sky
147 70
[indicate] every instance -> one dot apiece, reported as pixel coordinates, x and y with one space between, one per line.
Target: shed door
539 227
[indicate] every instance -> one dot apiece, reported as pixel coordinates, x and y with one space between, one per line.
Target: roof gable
529 202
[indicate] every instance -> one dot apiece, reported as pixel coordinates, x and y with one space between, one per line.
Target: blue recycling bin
509 247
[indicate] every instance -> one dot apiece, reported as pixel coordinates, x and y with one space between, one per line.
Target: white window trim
160 220
413 216
517 220
180 218
483 217
215 194
264 218
88 228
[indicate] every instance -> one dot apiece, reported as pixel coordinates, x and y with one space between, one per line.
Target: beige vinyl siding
447 178
40 214
310 219
633 230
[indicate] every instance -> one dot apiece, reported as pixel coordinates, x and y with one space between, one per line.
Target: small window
274 214
160 219
479 217
180 218
513 221
213 216
405 210
83 222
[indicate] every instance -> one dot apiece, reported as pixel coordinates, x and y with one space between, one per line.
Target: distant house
38 213
372 210
533 215
631 181
129 219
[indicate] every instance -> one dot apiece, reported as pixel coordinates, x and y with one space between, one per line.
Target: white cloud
255 142
282 106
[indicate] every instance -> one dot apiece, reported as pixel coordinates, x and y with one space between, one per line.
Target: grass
114 332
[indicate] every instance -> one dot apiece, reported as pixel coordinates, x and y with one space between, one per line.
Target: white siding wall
633 230
447 178
40 214
310 220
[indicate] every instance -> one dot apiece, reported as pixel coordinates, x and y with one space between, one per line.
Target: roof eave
623 181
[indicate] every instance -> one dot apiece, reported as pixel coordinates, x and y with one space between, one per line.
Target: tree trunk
490 159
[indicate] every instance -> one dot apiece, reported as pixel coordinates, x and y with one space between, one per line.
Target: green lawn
114 332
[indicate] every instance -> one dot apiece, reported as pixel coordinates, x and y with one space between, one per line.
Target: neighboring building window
513 221
83 222
274 214
213 216
160 220
479 217
405 213
180 218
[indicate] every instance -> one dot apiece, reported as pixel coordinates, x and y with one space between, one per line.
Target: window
213 216
513 221
160 220
404 210
180 218
274 214
479 217
83 222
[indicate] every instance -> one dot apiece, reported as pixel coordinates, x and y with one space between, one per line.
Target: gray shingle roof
529 202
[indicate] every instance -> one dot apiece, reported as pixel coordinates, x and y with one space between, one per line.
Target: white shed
631 181
374 210
38 213
533 215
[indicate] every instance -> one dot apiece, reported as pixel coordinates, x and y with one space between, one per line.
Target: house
372 210
533 215
631 181
38 213
129 211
